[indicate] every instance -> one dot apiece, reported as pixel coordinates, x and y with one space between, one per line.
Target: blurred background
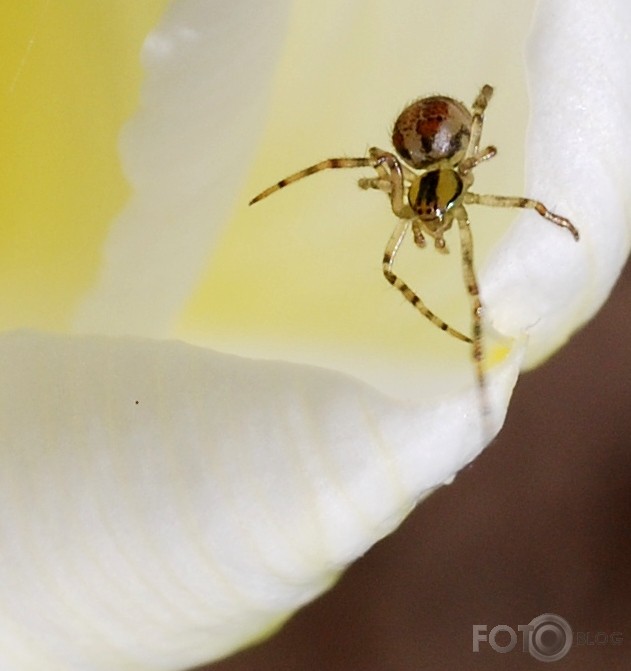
540 523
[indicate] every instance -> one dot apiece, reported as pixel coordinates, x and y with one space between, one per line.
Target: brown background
541 522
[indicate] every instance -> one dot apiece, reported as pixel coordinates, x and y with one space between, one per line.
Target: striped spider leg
393 178
428 181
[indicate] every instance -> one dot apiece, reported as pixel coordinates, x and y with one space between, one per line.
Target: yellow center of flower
69 78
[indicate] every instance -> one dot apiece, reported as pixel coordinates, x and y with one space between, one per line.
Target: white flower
163 503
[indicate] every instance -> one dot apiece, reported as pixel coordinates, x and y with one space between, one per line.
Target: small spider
439 140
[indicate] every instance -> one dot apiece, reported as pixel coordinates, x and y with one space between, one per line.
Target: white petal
540 281
162 504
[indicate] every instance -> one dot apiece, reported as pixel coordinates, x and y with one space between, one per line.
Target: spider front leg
389 255
525 203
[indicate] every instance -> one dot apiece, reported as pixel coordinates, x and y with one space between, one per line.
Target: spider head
433 193
430 130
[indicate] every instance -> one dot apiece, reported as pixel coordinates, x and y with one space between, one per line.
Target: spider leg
391 179
467 164
375 183
389 255
525 203
471 283
361 162
478 108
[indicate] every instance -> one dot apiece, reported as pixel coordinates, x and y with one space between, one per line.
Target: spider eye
434 192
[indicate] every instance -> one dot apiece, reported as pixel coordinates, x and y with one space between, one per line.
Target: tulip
209 410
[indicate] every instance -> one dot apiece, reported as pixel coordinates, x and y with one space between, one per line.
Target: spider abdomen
432 129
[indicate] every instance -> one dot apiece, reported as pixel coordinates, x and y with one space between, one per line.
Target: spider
428 181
